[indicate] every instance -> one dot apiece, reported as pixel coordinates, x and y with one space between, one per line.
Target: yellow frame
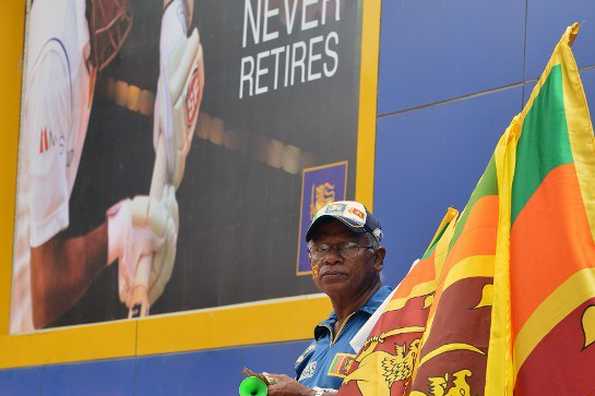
244 324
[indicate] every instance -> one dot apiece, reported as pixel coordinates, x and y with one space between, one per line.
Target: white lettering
254 23
287 66
298 62
247 76
276 52
323 14
338 10
268 13
261 72
313 58
309 24
290 16
331 53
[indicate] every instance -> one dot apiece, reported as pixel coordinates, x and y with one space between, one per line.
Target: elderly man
346 258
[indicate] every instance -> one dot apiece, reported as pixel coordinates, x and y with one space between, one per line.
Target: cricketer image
162 150
69 45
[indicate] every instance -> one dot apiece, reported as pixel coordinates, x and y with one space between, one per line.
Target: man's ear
379 258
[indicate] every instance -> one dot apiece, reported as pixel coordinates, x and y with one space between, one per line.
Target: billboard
228 107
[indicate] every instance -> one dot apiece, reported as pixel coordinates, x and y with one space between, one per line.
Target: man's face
342 277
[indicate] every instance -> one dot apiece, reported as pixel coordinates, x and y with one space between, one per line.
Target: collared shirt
57 102
325 361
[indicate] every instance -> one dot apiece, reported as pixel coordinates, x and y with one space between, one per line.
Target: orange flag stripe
479 235
422 272
478 238
544 238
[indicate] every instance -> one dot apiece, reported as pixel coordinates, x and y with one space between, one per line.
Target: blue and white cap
351 213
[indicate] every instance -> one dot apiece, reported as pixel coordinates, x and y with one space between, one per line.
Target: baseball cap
353 214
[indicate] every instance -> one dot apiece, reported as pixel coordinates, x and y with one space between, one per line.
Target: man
68 43
346 259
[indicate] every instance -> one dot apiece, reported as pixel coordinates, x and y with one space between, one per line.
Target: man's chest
327 360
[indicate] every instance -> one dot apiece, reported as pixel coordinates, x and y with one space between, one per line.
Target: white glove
179 89
163 261
136 228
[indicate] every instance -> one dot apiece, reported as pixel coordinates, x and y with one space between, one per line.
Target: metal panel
428 160
431 51
546 21
215 372
111 377
22 382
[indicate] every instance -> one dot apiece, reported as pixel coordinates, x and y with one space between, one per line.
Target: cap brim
316 223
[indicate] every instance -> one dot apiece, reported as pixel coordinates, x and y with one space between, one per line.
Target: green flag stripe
487 185
430 250
543 144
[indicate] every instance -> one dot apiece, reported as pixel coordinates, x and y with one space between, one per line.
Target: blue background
215 373
452 75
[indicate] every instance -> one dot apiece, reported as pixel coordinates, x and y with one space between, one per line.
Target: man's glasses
347 250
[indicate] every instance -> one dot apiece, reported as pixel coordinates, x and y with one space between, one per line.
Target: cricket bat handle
139 304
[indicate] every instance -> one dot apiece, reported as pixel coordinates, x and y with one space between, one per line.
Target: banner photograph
171 151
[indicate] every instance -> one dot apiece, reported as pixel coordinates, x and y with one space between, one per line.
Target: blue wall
452 75
208 373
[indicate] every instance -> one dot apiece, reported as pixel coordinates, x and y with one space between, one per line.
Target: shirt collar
369 308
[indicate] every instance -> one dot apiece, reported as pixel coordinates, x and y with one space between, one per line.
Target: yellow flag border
499 368
578 118
571 294
440 255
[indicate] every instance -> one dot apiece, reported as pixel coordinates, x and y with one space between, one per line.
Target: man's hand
135 228
163 261
282 385
61 271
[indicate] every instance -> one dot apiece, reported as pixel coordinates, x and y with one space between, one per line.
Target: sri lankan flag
544 309
455 345
513 307
385 363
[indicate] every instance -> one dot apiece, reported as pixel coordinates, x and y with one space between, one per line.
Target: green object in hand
253 386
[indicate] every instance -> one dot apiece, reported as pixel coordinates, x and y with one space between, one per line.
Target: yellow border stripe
499 370
418 290
580 129
71 344
11 38
366 135
470 267
577 289
233 326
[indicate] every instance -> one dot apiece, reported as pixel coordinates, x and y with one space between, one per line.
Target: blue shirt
325 361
